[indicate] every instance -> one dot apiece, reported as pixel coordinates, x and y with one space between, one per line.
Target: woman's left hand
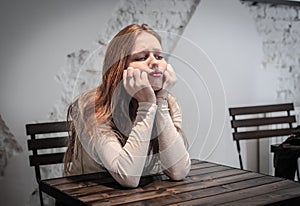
169 81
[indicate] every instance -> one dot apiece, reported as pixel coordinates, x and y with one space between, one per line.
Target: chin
156 85
155 88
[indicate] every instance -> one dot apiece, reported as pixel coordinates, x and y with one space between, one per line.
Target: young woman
130 125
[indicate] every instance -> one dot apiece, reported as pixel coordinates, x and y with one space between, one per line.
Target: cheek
137 65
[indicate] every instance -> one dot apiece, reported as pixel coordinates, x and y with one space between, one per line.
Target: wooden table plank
209 170
203 165
78 178
80 181
191 187
166 184
280 194
207 183
94 189
228 196
184 192
106 177
75 183
210 194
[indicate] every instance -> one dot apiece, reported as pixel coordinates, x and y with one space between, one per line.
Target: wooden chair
258 116
49 138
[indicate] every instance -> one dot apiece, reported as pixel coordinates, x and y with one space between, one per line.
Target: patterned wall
83 68
8 146
279 28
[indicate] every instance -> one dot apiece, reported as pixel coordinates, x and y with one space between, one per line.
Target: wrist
161 99
152 101
161 94
162 104
146 98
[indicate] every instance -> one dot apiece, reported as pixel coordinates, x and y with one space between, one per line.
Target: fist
137 85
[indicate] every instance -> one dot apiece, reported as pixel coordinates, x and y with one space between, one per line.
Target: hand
169 81
137 85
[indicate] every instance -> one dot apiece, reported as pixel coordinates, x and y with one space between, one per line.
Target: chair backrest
266 116
46 136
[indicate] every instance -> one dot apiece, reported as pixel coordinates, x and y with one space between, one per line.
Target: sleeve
173 153
124 163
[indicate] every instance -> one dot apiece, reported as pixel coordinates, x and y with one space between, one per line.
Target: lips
156 73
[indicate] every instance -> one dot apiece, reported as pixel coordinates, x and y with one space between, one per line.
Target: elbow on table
178 174
130 182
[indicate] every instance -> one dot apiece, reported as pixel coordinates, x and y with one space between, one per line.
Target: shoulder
86 96
85 99
82 104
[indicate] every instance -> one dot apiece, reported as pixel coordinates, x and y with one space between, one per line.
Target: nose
153 62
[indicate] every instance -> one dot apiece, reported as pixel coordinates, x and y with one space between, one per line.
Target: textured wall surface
8 146
83 68
279 27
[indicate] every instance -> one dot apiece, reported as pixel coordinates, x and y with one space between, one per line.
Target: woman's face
147 56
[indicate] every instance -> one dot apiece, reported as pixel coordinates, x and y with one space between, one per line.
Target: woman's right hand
137 85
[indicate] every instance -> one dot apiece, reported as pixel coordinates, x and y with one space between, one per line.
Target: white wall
36 37
226 32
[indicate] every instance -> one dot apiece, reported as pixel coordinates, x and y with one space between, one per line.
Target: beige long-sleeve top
101 149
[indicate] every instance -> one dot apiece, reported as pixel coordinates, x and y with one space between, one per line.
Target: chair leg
241 162
41 197
239 151
297 170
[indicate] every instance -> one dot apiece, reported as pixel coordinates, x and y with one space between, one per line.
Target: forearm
129 164
173 153
125 163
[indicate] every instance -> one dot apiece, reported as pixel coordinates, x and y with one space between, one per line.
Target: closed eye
144 56
140 58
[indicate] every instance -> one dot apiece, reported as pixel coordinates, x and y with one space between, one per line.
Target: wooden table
207 184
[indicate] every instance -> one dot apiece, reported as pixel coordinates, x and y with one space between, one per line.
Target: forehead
146 41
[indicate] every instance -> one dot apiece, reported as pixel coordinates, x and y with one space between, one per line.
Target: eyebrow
145 51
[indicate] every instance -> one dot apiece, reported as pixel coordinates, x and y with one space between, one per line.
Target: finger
125 77
125 74
170 68
144 76
170 71
167 72
137 74
130 72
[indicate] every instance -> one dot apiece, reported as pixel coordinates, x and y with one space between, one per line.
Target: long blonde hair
115 61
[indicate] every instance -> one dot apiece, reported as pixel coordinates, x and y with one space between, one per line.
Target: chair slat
46 135
46 159
262 134
43 128
45 143
251 117
261 109
263 121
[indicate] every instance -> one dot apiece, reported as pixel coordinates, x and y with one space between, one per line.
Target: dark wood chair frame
37 144
236 123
